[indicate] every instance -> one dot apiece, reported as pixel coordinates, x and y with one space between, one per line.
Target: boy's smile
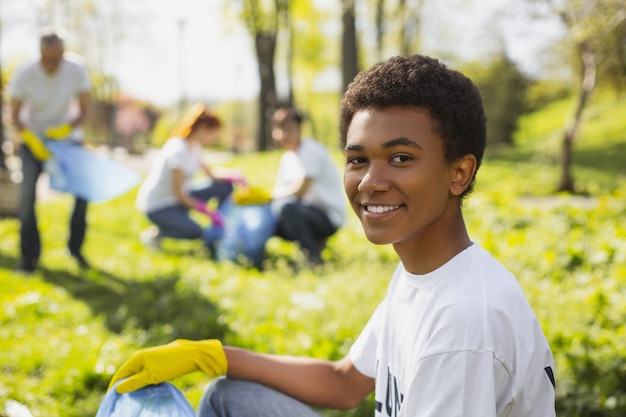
397 178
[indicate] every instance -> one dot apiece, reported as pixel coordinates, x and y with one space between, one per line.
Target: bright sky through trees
184 47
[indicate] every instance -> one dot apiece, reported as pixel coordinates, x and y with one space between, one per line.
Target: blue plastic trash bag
75 170
246 230
212 234
161 400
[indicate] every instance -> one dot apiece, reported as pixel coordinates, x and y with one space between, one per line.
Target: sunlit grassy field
64 331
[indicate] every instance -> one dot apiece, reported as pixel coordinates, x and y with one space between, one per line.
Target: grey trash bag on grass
163 399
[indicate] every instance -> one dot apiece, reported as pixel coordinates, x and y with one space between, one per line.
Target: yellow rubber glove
251 195
59 132
36 146
163 363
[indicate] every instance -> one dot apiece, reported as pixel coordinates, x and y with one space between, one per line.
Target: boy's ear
462 172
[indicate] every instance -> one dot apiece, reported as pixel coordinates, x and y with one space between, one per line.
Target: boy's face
396 177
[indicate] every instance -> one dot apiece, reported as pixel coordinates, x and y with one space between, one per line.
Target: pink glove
215 216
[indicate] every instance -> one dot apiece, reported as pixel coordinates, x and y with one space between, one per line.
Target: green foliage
544 92
503 88
597 165
312 52
614 72
263 16
240 126
64 331
547 123
162 130
322 117
598 27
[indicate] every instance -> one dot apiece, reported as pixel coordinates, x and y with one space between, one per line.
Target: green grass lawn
64 331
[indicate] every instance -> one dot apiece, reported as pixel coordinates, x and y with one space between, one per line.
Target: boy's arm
314 381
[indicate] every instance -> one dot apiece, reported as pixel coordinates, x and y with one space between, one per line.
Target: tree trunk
410 20
380 22
265 49
291 101
349 55
3 162
588 84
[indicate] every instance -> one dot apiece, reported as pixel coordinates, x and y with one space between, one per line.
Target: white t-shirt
157 190
459 341
312 160
50 99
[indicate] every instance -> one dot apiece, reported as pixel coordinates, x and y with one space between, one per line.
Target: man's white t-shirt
459 341
157 190
50 99
312 160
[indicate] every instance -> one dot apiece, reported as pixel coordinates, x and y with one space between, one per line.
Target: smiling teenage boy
454 334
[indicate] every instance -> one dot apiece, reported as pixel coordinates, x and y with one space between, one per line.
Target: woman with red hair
167 195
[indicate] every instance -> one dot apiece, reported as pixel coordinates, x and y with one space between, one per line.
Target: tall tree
290 54
396 26
3 164
263 20
409 14
3 157
349 46
504 89
287 35
592 28
379 21
307 47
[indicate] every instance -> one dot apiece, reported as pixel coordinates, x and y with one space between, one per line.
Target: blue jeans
30 241
307 225
228 397
174 221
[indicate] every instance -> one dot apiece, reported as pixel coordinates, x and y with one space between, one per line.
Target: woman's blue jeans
175 222
228 397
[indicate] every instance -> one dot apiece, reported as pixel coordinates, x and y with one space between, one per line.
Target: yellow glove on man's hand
59 132
36 146
163 363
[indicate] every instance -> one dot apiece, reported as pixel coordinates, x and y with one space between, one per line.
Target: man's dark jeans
30 241
307 225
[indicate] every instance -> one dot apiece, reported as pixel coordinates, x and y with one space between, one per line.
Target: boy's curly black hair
453 101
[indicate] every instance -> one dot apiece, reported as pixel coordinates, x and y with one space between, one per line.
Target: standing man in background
50 98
